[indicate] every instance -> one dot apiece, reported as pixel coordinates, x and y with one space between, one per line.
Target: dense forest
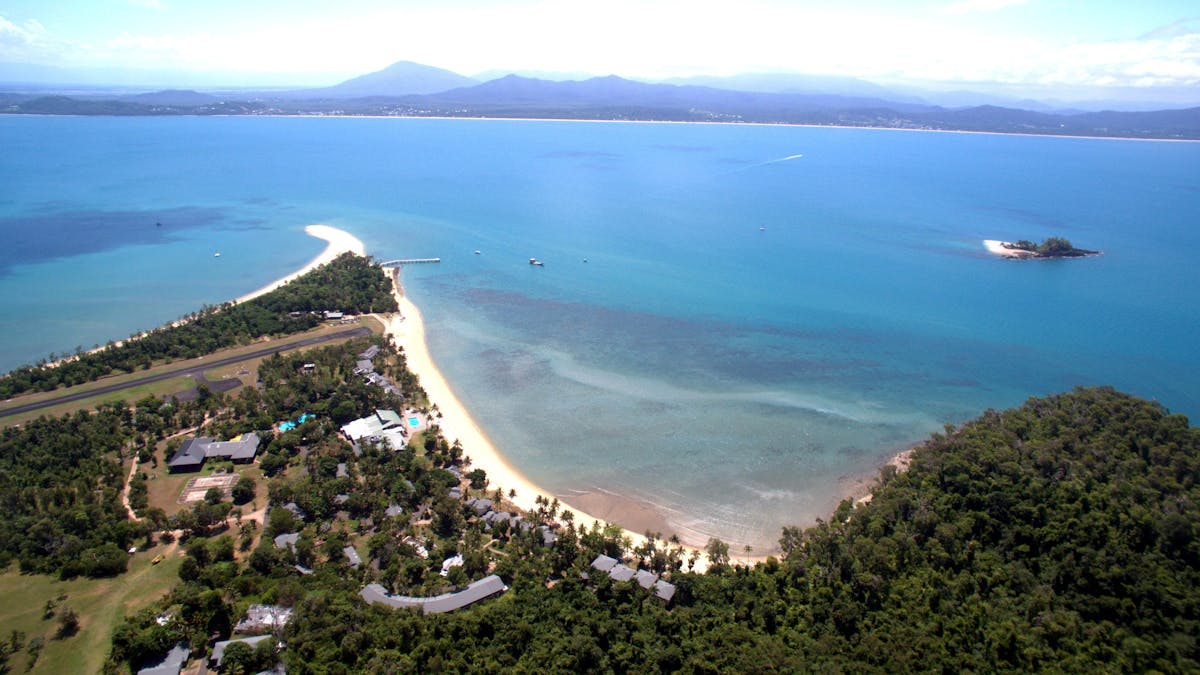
349 284
60 484
1060 535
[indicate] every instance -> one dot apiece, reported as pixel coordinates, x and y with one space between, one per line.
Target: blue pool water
765 312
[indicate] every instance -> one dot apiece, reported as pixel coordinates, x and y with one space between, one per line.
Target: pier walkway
409 261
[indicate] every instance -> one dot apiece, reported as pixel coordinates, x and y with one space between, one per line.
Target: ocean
733 323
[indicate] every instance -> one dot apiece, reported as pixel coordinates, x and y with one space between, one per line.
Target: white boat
217 254
535 261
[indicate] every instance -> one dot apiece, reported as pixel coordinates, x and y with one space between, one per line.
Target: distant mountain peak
401 78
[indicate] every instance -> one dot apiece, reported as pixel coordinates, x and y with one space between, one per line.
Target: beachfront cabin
646 579
370 353
480 506
192 454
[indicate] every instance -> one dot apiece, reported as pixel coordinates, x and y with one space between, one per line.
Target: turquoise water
289 424
765 312
414 422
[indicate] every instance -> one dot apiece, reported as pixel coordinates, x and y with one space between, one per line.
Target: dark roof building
194 451
438 604
219 648
169 664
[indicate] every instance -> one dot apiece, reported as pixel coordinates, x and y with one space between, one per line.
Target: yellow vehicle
156 559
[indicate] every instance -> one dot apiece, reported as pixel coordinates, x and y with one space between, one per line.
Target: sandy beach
1001 248
340 242
408 330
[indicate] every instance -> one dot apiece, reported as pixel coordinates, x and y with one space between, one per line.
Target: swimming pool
414 422
289 425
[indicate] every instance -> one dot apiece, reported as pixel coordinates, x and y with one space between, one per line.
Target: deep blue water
749 329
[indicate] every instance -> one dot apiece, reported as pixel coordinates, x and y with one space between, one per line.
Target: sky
1141 44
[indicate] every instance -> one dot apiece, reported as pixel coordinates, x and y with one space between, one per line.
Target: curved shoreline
339 242
407 328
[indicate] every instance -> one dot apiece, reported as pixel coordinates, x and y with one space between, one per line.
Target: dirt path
125 491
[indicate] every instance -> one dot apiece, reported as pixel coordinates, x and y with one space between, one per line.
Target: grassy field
100 604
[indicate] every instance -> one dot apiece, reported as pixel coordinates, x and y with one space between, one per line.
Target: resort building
647 580
191 455
438 604
264 618
373 425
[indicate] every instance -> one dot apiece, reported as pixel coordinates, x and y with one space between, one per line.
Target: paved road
176 372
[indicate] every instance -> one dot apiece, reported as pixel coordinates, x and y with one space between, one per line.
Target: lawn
100 604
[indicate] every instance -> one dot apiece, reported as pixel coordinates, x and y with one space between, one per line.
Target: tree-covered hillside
1057 536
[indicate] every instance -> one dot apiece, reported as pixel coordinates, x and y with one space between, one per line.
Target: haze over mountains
412 89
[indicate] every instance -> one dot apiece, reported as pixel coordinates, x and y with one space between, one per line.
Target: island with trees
1062 535
1051 247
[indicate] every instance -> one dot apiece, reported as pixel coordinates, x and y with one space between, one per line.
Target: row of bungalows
365 367
438 604
618 571
484 509
195 451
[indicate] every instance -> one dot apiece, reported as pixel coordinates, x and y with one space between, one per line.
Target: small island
1052 247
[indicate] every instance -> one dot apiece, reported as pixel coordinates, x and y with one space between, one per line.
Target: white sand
1001 248
340 242
408 331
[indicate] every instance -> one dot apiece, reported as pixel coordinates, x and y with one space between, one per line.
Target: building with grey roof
352 557
480 506
370 352
191 455
603 563
647 580
438 604
287 541
169 664
219 648
621 573
393 510
296 510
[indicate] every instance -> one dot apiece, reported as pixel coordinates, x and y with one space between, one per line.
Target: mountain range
411 89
